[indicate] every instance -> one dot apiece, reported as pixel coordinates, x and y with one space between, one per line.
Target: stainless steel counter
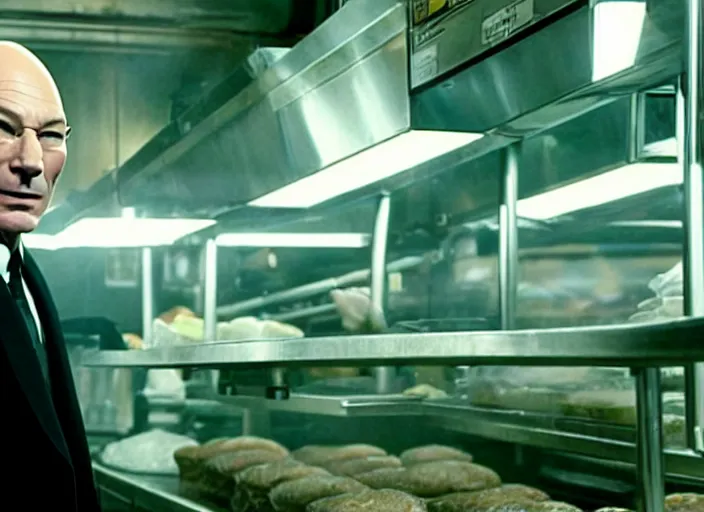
132 492
670 343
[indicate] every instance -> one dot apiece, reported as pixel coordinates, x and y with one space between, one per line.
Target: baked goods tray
142 492
571 435
673 343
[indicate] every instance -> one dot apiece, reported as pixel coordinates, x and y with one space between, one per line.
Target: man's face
33 134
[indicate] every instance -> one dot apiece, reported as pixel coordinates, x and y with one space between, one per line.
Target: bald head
33 131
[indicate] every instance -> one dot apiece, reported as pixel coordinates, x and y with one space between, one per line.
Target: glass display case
520 304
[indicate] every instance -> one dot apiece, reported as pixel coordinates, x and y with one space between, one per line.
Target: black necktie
17 291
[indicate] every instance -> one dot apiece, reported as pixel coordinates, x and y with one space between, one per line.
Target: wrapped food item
386 500
358 314
133 341
432 452
252 485
168 316
351 467
272 329
149 452
188 326
217 479
239 329
616 407
686 502
317 455
432 479
480 500
190 459
425 391
296 495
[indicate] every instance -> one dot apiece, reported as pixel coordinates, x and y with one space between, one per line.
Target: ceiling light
118 232
394 156
610 186
618 26
319 240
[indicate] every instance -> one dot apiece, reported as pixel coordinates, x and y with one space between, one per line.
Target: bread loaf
218 476
317 455
351 467
530 506
432 479
253 484
687 502
433 452
386 500
296 495
480 500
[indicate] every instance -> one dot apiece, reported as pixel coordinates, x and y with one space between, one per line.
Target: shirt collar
5 259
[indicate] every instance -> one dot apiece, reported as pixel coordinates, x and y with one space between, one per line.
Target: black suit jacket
47 460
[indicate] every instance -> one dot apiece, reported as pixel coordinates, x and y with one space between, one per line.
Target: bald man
46 453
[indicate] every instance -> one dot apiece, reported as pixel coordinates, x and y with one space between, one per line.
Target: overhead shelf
665 344
358 405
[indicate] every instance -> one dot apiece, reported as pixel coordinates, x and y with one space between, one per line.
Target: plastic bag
165 383
149 452
357 311
669 284
668 303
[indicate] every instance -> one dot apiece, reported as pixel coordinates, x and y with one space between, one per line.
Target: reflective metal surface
554 67
663 344
340 90
651 472
508 239
147 296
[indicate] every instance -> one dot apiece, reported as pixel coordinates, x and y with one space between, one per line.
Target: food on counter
149 452
387 500
425 391
296 495
351 467
274 329
218 474
133 341
481 500
358 313
611 406
686 502
190 459
433 452
318 455
169 316
432 479
188 326
253 484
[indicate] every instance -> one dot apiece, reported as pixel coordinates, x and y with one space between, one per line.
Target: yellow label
435 5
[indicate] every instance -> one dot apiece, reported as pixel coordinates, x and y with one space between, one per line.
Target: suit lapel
17 345
65 401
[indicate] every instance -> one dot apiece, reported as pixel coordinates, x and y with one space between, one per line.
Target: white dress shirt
5 273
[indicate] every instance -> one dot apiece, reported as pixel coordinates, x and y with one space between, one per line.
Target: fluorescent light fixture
618 26
38 241
118 232
610 186
317 240
668 224
394 156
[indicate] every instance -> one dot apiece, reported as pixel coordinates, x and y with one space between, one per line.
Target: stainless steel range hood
348 88
570 58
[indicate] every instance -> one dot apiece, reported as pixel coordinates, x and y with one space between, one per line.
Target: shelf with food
596 439
660 344
321 405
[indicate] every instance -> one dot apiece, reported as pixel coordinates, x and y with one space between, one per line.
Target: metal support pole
690 112
210 291
508 239
385 375
650 461
147 296
210 296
